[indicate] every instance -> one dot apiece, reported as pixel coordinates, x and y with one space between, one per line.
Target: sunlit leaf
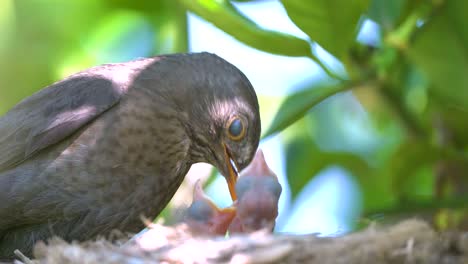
170 25
331 23
226 17
39 34
119 36
297 105
6 22
167 18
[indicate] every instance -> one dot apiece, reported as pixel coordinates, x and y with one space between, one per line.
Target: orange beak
232 177
222 220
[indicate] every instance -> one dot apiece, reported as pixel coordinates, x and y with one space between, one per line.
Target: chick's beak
232 172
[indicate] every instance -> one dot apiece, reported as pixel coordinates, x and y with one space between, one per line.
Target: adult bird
95 151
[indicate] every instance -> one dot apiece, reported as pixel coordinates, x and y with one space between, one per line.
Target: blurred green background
384 105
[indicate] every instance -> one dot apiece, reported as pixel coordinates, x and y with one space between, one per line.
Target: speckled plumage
95 151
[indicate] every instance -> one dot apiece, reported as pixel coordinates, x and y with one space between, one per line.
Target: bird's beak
222 220
232 172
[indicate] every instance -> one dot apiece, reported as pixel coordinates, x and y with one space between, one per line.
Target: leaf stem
407 119
401 36
325 68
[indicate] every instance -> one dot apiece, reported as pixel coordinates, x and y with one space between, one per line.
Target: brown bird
258 192
203 217
95 151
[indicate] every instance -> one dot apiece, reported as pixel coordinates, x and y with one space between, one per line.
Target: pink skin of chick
204 218
258 192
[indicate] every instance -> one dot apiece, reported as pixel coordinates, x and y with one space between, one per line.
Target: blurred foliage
411 80
45 40
395 119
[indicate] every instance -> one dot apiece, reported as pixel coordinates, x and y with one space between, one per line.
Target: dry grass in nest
411 241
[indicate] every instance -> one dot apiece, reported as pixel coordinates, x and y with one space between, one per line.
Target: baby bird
258 192
204 218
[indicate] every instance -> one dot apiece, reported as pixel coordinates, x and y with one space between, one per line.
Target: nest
411 241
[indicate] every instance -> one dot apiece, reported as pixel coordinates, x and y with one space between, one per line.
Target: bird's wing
57 111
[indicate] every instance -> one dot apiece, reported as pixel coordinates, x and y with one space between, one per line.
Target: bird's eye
236 129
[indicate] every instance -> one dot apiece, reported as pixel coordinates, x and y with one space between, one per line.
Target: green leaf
301 165
331 23
170 23
453 118
226 17
405 165
35 35
440 49
304 160
118 36
386 13
168 19
296 105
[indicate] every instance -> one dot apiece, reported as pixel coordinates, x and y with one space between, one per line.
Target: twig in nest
23 258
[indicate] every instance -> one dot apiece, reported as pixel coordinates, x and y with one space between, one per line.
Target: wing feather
57 111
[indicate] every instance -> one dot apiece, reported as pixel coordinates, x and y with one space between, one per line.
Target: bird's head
236 133
222 112
217 105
